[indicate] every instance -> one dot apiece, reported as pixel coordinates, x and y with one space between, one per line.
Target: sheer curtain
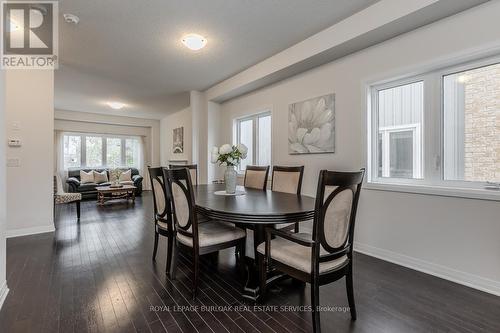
59 157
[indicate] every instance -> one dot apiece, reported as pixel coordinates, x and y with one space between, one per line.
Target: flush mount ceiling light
194 42
116 105
71 19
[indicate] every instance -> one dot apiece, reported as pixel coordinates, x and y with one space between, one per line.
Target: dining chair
193 169
287 179
256 177
162 213
325 255
199 238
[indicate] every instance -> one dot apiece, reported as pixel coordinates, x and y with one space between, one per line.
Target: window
132 153
472 124
114 152
255 133
93 151
72 151
400 110
440 128
99 151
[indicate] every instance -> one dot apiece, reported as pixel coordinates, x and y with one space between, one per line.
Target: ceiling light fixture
116 105
71 18
194 42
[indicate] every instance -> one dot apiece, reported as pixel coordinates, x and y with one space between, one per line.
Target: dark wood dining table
256 210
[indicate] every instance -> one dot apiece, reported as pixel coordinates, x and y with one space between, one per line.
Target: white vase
230 179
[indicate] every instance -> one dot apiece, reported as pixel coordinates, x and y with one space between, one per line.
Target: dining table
253 209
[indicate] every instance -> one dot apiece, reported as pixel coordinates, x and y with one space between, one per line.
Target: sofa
89 191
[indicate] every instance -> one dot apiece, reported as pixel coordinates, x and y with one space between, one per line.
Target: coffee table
107 193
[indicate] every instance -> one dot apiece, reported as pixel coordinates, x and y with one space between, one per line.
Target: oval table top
254 207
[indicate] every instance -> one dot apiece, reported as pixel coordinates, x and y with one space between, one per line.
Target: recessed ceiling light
194 42
116 105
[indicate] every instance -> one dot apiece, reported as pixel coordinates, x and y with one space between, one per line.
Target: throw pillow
126 176
86 177
100 177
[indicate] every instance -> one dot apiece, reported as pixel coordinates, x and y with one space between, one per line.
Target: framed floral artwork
311 126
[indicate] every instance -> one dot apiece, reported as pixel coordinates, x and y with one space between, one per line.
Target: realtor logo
29 35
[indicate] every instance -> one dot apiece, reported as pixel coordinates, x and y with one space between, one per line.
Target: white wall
199 117
3 192
30 105
458 239
177 119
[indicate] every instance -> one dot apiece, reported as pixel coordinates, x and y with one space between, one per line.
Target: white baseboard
30 231
4 290
466 279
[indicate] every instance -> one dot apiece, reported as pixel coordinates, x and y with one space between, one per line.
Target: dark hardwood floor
97 276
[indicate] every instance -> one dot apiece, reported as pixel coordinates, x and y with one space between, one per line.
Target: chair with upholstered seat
325 255
199 238
193 170
256 177
287 180
162 213
61 197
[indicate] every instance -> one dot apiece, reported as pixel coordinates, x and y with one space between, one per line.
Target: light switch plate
13 162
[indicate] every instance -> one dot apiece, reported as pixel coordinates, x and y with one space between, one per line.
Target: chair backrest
161 202
256 177
287 179
336 205
58 187
180 190
193 170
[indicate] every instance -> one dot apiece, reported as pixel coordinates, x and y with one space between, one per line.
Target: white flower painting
311 126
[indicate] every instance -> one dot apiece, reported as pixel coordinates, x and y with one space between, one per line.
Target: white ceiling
130 50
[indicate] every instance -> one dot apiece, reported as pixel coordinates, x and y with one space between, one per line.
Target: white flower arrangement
228 155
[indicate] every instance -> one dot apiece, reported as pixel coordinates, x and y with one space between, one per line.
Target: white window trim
417 147
433 171
83 149
236 134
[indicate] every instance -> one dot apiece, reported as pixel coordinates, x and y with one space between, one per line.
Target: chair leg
155 248
315 304
170 244
296 227
78 210
350 293
173 267
196 259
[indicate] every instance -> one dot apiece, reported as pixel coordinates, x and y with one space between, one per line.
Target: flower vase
230 179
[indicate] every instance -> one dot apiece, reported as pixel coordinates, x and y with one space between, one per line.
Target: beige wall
30 105
429 233
180 118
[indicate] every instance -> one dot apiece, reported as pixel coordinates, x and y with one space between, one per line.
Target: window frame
415 130
255 137
104 137
433 146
